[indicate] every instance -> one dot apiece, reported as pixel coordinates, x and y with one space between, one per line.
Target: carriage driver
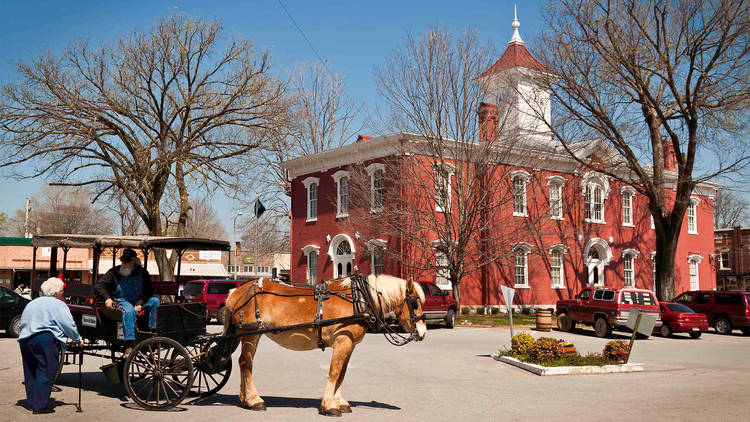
128 286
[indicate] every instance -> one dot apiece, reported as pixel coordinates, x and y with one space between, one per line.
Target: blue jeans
40 354
129 314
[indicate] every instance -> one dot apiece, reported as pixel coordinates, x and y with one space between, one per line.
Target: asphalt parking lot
449 376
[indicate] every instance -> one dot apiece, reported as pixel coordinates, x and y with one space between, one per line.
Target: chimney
670 159
488 120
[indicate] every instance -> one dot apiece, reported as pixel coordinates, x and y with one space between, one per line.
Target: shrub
616 350
545 349
465 310
495 310
526 310
480 310
520 343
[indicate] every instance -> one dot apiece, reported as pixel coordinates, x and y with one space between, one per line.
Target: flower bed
544 353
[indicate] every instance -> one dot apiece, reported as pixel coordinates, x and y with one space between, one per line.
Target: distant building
16 263
273 265
732 258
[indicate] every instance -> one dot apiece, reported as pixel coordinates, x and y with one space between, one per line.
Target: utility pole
26 231
234 243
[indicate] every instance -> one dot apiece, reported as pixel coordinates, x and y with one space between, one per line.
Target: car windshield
676 307
193 288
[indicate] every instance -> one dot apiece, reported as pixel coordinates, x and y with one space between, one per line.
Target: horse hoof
330 412
258 407
345 409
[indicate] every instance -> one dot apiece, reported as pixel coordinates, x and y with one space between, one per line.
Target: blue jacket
48 314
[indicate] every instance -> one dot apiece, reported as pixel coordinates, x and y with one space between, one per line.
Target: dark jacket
107 284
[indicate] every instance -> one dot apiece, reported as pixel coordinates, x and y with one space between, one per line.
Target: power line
305 37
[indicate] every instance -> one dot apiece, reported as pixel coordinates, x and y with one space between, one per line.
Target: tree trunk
456 286
666 250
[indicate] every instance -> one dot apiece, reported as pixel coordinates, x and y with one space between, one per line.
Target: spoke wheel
158 373
210 373
61 363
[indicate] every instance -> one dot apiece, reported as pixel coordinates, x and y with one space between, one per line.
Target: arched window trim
524 177
372 246
308 250
340 213
694 259
524 249
556 184
371 171
629 193
563 251
628 255
449 170
590 180
335 243
693 207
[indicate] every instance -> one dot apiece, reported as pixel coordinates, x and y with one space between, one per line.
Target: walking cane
80 364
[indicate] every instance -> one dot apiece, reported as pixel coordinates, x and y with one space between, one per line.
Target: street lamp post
234 242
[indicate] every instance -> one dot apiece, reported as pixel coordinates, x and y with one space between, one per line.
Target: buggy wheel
61 363
158 373
210 372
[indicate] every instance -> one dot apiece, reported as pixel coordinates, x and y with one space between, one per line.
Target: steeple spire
516 38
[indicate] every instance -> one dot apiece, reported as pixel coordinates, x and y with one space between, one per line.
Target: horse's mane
392 290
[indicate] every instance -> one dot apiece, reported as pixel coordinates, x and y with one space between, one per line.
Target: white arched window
341 178
311 185
557 266
443 173
311 253
555 184
629 269
377 188
519 179
692 216
628 193
595 191
694 261
521 265
377 252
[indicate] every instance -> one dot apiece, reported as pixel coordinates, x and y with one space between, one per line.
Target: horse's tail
229 328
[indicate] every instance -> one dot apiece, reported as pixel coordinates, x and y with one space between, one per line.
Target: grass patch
497 320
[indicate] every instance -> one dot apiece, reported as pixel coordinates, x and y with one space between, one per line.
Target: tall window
378 192
556 268
519 196
724 260
627 206
312 267
691 214
311 184
443 187
629 271
442 275
378 266
593 203
555 184
341 178
694 278
521 268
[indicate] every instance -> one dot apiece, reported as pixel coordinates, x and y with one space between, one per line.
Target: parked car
605 309
439 305
725 311
213 292
678 318
11 308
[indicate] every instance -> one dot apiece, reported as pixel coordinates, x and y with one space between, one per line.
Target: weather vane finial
516 38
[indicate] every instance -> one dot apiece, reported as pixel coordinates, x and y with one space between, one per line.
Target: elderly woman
46 326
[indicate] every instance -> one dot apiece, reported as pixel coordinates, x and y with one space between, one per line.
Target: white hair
52 287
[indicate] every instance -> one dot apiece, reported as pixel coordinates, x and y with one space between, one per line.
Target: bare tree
651 79
203 222
730 210
62 210
268 233
168 109
3 222
445 197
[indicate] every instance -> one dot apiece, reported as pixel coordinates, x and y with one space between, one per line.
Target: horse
279 305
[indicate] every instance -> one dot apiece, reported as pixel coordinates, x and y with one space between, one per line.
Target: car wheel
14 329
723 326
564 323
602 328
695 334
666 331
450 318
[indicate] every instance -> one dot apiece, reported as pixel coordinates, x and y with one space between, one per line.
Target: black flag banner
259 208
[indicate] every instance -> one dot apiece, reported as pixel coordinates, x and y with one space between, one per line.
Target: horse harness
364 310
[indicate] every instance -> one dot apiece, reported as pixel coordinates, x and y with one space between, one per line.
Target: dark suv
11 308
726 311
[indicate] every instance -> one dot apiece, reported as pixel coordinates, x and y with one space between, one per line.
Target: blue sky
352 36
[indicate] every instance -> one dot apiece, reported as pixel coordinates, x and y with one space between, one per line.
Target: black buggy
164 366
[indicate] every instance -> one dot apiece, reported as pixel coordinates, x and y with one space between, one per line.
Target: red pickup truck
605 309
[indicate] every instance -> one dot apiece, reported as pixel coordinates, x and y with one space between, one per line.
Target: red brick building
733 258
600 232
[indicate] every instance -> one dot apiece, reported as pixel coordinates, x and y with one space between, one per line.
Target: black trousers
41 353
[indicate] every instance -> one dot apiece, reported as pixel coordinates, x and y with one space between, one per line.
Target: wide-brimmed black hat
127 255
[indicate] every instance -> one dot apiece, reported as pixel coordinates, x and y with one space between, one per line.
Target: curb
569 370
